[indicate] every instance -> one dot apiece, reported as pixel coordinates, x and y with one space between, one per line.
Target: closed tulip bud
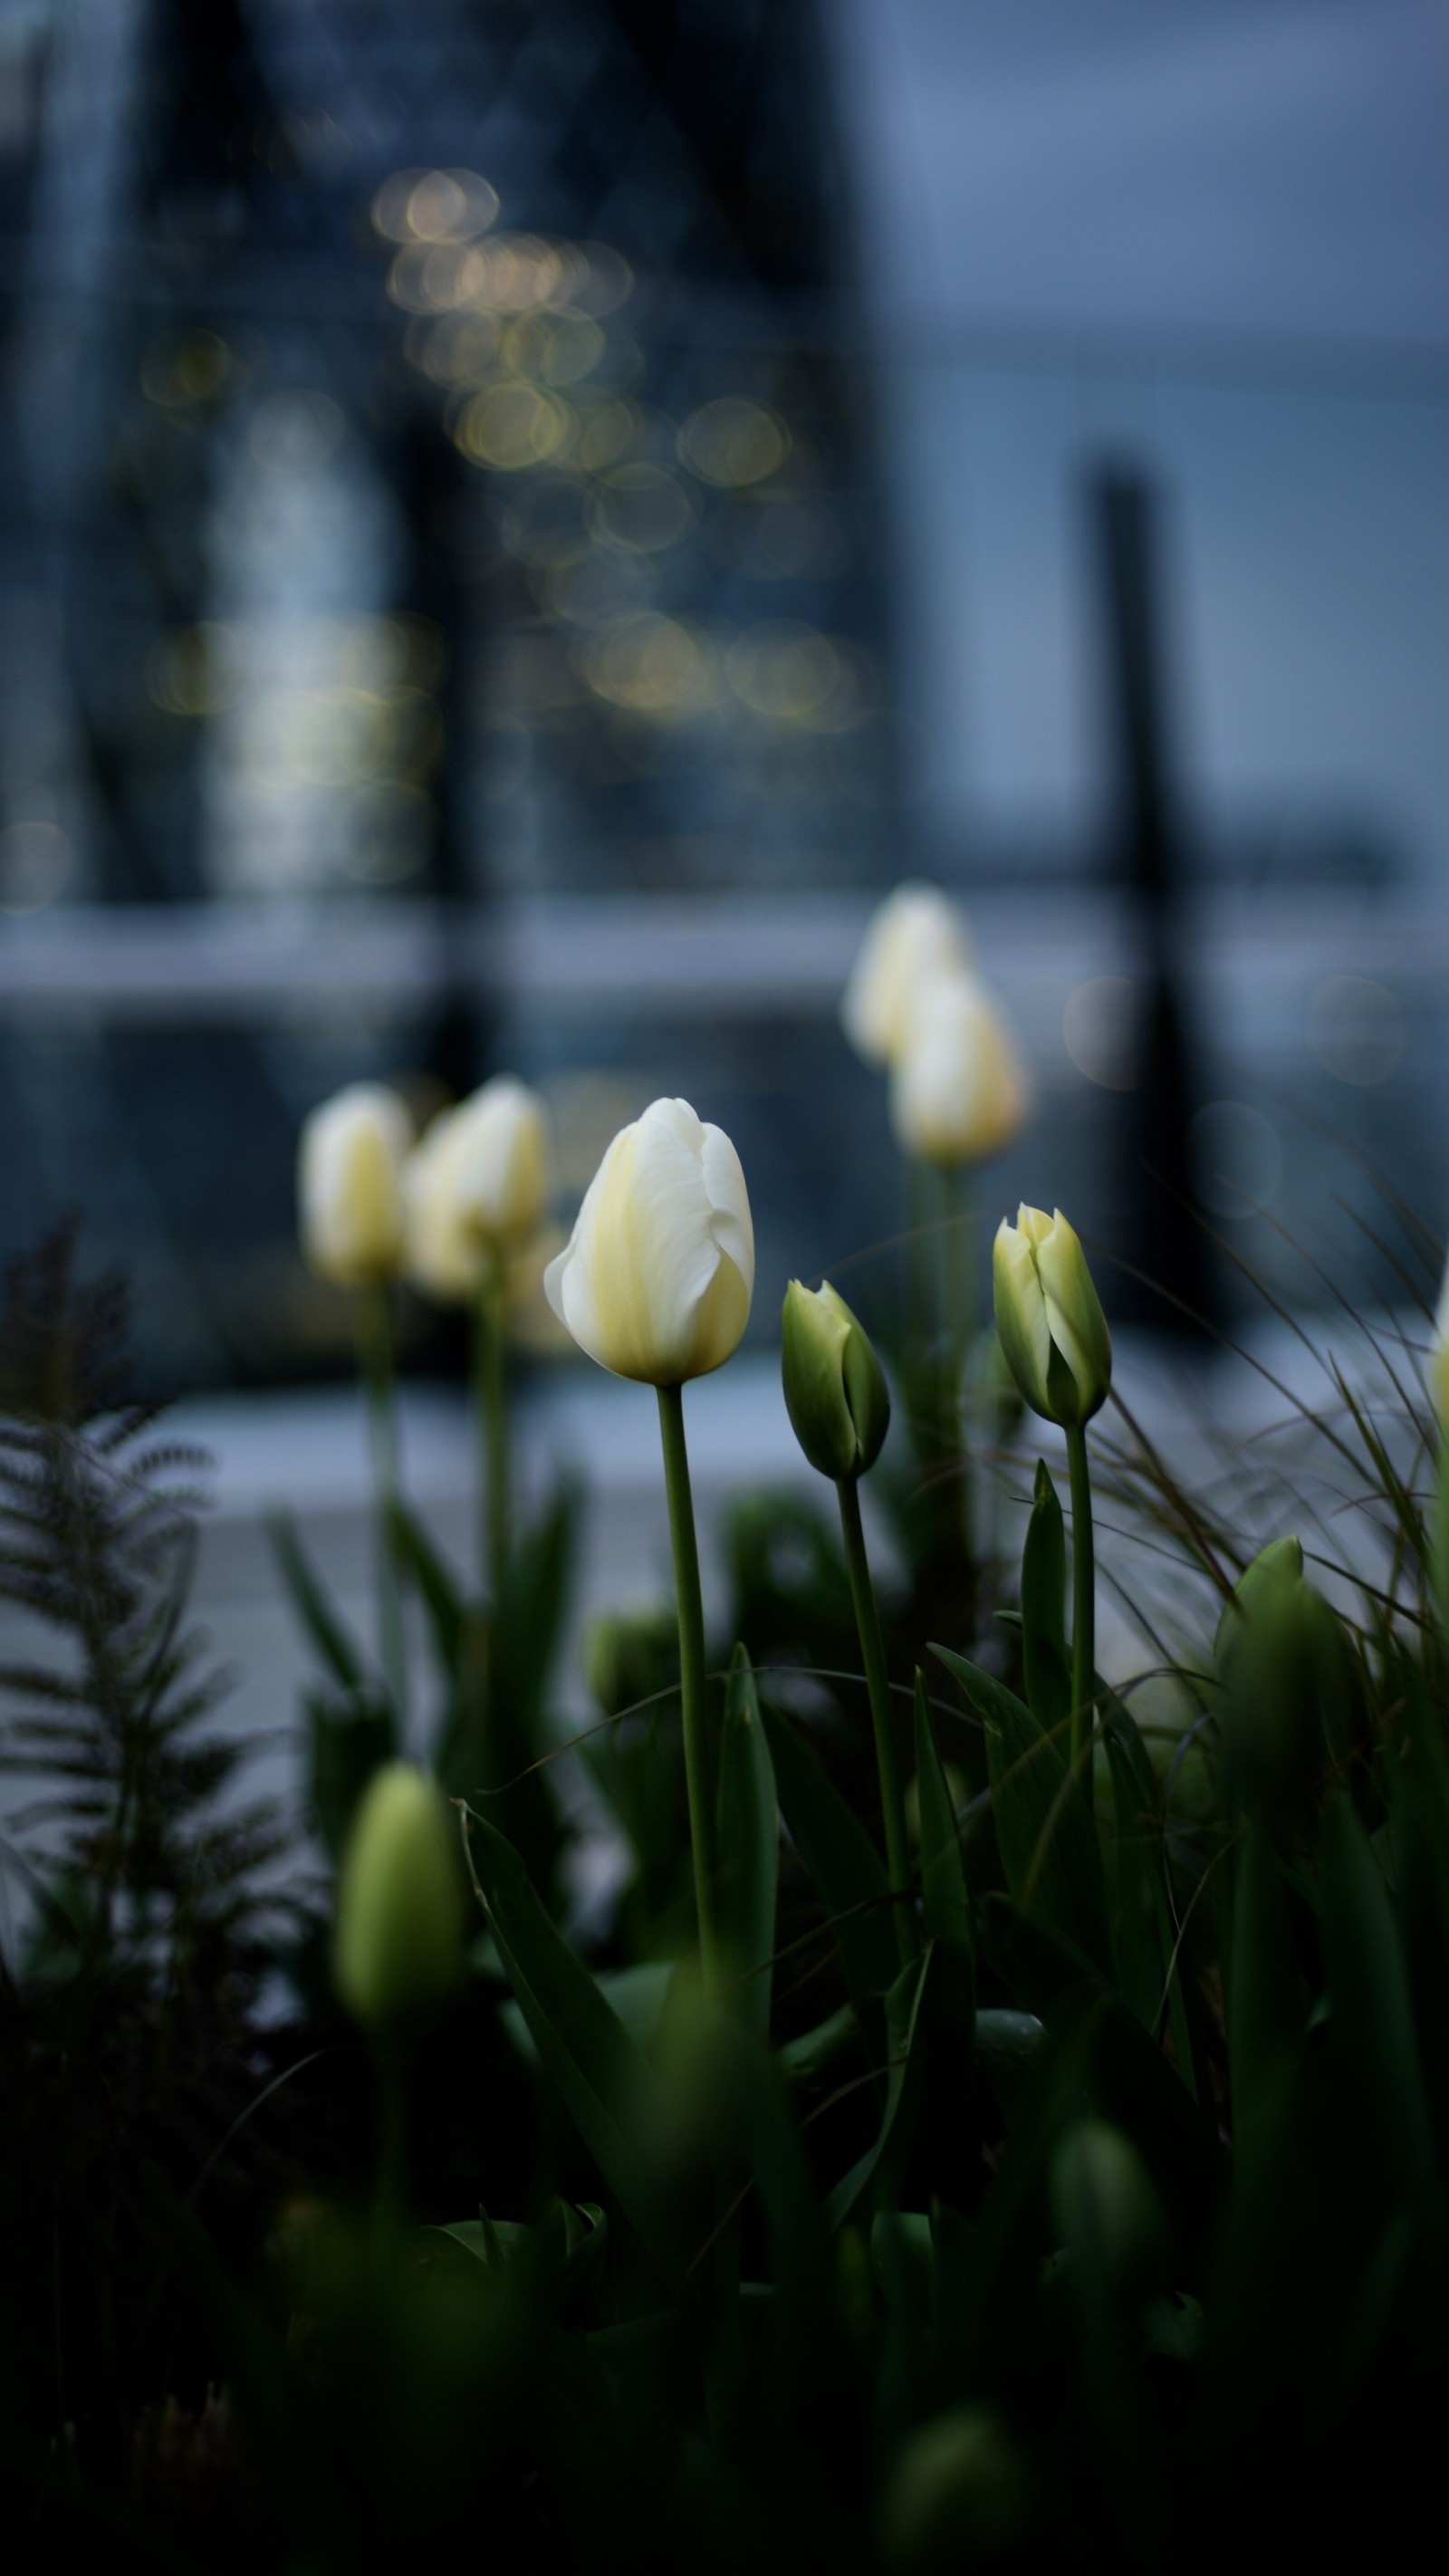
1103 2203
1049 1317
475 1188
656 1278
835 1392
915 934
1295 1696
958 2491
399 1935
349 1185
958 1092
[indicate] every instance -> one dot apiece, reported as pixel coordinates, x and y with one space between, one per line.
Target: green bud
631 1656
1294 1691
1103 2204
835 1389
1050 1318
957 2490
398 1941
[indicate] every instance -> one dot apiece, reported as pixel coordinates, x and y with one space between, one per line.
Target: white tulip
475 1188
958 1092
656 1278
349 1185
916 934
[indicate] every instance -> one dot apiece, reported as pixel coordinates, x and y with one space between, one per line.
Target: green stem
491 1393
1084 1604
872 1647
689 1604
375 1341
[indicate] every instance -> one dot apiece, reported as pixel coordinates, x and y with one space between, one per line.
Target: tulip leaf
608 2086
749 1848
1046 1837
416 1556
1146 1936
1043 1608
1419 1807
844 1864
946 1906
318 1617
1373 2025
1266 2021
903 2011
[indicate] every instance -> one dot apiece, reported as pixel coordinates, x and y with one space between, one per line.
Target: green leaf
441 1595
848 1872
349 1736
1418 1781
946 1906
1045 1835
1373 2027
530 1614
903 2023
608 2086
1146 1937
1043 1608
749 1848
318 1617
1266 2021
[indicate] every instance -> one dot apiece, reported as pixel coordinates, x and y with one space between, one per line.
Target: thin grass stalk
693 1680
877 1682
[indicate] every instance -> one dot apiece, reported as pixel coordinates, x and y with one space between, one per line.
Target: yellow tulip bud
958 2492
656 1278
1049 1317
914 935
835 1392
958 1092
349 1185
398 1941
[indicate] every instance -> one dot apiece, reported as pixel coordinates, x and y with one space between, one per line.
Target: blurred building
517 520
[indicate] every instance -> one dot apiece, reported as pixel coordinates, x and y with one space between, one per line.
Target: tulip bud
631 1656
1104 2205
475 1187
398 1942
656 1278
1050 1320
915 934
835 1392
349 1185
958 1092
1294 1691
957 2492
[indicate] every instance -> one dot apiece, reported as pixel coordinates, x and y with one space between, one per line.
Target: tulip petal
1021 1315
1074 1313
731 1222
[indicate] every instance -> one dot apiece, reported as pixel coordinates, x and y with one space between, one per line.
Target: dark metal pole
1158 1232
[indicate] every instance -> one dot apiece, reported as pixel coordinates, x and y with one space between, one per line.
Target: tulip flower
1055 1338
958 1092
349 1185
398 1943
840 1410
655 1284
1050 1320
656 1278
914 935
350 1167
835 1393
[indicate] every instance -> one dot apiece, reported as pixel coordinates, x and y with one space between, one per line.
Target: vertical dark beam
1158 1233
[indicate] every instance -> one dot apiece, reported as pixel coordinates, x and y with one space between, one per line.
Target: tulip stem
1084 1601
491 1392
960 1334
693 1689
375 1341
877 1682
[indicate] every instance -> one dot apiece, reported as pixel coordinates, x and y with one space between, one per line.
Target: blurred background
521 518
